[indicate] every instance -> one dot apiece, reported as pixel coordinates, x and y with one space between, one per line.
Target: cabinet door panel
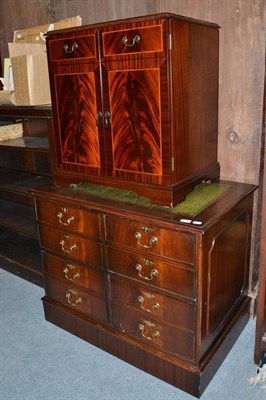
77 112
135 120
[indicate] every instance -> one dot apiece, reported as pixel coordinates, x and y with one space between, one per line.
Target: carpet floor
42 362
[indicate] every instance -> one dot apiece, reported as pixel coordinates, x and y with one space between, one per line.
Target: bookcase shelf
24 165
21 255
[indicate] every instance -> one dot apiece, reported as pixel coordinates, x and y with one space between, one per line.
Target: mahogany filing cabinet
163 292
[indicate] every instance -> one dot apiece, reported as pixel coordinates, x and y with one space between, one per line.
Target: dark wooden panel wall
242 67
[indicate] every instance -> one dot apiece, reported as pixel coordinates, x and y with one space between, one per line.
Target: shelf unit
24 165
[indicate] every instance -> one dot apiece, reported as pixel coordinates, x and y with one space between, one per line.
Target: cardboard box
30 74
7 97
37 33
29 62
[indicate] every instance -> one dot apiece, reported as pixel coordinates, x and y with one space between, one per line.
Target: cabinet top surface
136 20
199 222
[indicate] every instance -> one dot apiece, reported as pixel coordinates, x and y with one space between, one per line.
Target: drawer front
153 332
73 47
66 271
77 299
84 250
153 305
149 270
129 41
151 239
70 218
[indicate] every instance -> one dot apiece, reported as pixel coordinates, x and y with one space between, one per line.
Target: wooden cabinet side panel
194 58
226 258
227 270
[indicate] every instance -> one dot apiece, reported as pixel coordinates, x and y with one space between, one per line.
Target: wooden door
77 115
134 70
136 128
75 78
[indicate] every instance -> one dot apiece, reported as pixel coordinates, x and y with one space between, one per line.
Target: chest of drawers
164 292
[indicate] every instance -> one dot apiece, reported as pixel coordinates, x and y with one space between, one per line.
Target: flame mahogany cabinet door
75 84
135 105
134 66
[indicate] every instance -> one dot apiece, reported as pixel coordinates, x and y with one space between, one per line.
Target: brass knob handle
60 216
153 273
70 273
135 40
146 326
71 296
149 296
107 119
71 49
99 116
151 242
66 249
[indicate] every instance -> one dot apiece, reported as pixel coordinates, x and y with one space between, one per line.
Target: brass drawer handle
70 273
68 220
153 273
145 326
135 40
153 240
63 245
73 48
72 298
149 296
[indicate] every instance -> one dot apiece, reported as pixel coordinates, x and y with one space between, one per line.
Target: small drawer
76 247
176 279
153 304
77 299
129 41
74 47
153 332
151 239
68 217
66 271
